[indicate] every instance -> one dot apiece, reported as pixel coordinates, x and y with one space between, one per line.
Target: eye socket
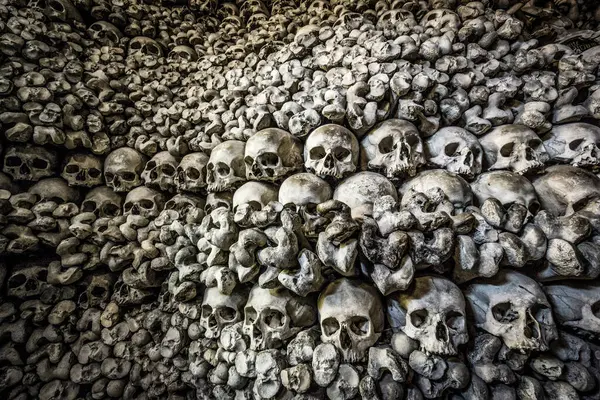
168 170
317 153
581 203
88 206
412 140
150 165
273 319
330 326
418 317
94 172
504 313
574 145
227 313
192 173
454 320
108 176
110 210
72 169
147 204
12 161
248 160
56 6
534 207
206 311
222 169
507 149
386 145
341 153
39 163
250 315
534 143
128 176
359 325
128 206
268 159
450 149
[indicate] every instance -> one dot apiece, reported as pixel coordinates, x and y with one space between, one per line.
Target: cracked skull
456 150
331 150
272 154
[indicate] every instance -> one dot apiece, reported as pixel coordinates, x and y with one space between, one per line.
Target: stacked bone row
376 200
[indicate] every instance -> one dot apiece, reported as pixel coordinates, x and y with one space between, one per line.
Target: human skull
514 147
513 307
272 316
143 201
360 191
220 310
225 168
183 203
183 53
456 150
577 143
29 163
351 317
218 200
27 282
105 33
440 21
83 170
159 172
456 189
576 305
144 46
331 150
191 173
272 154
250 200
431 311
62 10
123 168
565 190
54 189
307 36
103 202
390 20
394 147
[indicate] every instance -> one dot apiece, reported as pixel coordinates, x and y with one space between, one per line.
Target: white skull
141 45
220 310
143 201
331 150
272 154
105 33
456 150
226 169
183 53
393 147
29 163
456 189
83 170
103 202
432 312
576 305
250 200
513 306
514 147
351 318
272 316
577 143
440 21
360 191
218 200
191 173
123 168
159 172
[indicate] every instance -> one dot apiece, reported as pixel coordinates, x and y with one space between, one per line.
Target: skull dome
507 187
431 311
393 147
272 154
360 191
514 147
576 305
513 307
456 150
250 202
304 189
351 317
577 143
103 202
331 150
456 189
123 169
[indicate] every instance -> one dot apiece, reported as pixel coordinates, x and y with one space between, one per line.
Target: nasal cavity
441 332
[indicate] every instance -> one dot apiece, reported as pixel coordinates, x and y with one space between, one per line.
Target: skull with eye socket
29 163
272 154
144 202
514 147
456 150
141 46
576 143
331 151
83 170
393 147
225 168
220 310
253 204
103 202
159 172
105 33
123 169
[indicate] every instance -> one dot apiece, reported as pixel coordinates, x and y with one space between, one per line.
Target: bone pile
300 200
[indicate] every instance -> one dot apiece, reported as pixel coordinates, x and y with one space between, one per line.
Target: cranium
218 200
83 170
513 306
220 310
576 305
351 317
144 46
272 316
97 291
191 173
105 33
54 189
159 172
457 190
272 154
62 10
513 147
183 203
456 150
29 163
103 202
441 20
360 190
432 312
143 201
575 143
225 168
27 282
307 36
250 202
183 53
390 20
123 168
393 147
331 150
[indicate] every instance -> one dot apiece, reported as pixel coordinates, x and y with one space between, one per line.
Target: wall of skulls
299 200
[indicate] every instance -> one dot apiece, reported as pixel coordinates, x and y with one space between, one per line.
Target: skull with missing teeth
226 169
513 147
252 204
393 147
123 169
220 310
432 312
456 150
331 150
577 143
513 306
272 154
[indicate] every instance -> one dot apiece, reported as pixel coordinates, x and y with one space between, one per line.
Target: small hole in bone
418 317
596 309
98 291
